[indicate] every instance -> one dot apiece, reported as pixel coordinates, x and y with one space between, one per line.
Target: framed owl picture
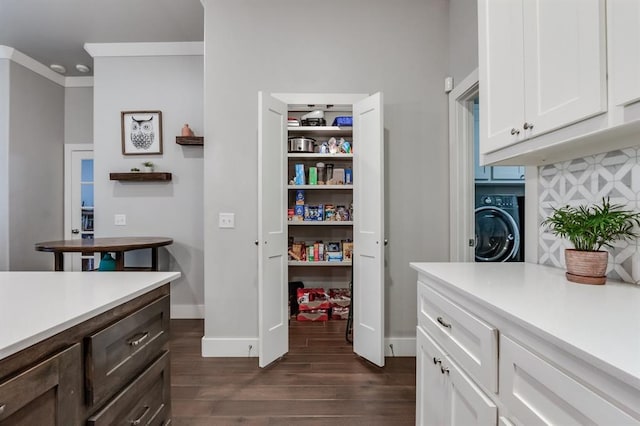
141 132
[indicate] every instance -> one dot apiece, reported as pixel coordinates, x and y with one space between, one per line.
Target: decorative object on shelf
141 132
148 166
589 228
107 263
135 169
186 130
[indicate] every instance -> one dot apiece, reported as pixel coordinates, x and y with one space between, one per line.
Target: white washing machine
498 231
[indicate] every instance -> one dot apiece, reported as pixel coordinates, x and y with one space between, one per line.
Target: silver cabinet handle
442 323
444 370
386 242
138 338
2 407
515 131
137 421
437 360
75 231
527 126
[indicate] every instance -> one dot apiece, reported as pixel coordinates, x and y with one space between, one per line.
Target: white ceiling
54 31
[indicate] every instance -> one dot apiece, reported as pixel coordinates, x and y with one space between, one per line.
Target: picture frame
141 132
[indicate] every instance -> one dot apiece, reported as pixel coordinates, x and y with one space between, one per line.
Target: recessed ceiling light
58 68
83 68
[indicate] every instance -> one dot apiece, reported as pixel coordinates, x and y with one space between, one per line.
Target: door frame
462 184
462 169
69 149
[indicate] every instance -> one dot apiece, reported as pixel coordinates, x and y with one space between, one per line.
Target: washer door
497 236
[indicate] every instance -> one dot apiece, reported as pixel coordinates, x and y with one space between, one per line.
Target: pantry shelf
323 263
318 156
320 223
325 187
320 130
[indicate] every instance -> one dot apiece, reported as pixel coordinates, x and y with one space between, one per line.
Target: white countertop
601 322
37 305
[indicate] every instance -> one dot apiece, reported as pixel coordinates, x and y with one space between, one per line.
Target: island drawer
115 355
145 401
470 341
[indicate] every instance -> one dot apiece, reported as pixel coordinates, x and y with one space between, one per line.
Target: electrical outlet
120 219
226 220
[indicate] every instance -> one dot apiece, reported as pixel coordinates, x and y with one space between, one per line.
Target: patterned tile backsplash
587 180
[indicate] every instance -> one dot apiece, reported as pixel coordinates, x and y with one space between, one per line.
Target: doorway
487 203
79 203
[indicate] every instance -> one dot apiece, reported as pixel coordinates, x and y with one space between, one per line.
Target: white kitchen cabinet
447 395
623 32
363 198
542 66
545 377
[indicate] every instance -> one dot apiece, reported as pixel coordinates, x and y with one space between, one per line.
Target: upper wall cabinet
624 50
542 67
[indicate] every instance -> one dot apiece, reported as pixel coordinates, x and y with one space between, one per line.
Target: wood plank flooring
320 382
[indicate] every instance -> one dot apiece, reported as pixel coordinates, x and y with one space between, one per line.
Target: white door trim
68 149
461 169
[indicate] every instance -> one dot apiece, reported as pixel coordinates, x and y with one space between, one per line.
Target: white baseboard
229 347
187 311
239 347
402 346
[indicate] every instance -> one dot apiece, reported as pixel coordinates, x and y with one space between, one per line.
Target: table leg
58 261
154 258
119 261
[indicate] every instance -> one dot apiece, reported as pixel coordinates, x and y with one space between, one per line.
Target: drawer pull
444 370
442 323
2 407
139 419
437 360
138 338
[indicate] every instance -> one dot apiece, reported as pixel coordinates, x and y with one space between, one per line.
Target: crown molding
188 48
20 58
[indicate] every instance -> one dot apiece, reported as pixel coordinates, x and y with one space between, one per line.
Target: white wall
359 46
173 85
4 164
36 135
78 115
463 38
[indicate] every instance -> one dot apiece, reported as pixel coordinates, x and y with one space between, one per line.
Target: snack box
310 299
340 313
339 297
314 315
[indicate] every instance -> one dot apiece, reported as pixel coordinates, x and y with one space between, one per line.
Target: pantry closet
320 202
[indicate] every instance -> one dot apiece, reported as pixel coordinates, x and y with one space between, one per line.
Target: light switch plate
226 220
120 219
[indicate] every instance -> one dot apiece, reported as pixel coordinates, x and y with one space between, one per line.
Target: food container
301 144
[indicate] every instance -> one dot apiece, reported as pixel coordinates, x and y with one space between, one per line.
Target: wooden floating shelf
141 176
190 140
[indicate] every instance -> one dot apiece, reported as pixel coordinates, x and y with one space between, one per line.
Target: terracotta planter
586 267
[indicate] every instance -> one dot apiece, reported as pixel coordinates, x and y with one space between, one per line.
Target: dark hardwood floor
320 382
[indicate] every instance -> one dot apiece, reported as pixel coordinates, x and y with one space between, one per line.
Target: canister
329 172
321 173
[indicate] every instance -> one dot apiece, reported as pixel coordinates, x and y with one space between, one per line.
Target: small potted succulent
148 166
589 228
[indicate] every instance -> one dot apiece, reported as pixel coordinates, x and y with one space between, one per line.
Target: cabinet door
368 238
46 394
536 393
623 32
564 62
501 73
467 404
273 325
431 383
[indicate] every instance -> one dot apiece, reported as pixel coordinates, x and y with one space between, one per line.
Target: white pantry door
368 235
273 321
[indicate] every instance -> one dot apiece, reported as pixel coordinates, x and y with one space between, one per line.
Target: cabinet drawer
146 401
119 352
537 393
471 342
46 394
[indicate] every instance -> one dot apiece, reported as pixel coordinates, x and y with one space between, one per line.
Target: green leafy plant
148 164
589 228
135 169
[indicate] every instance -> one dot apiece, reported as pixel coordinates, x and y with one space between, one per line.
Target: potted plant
148 166
589 228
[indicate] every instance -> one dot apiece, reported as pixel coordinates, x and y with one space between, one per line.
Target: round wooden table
117 245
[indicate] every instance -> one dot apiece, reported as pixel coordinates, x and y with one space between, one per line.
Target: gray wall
172 85
361 46
4 164
463 38
36 134
78 115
